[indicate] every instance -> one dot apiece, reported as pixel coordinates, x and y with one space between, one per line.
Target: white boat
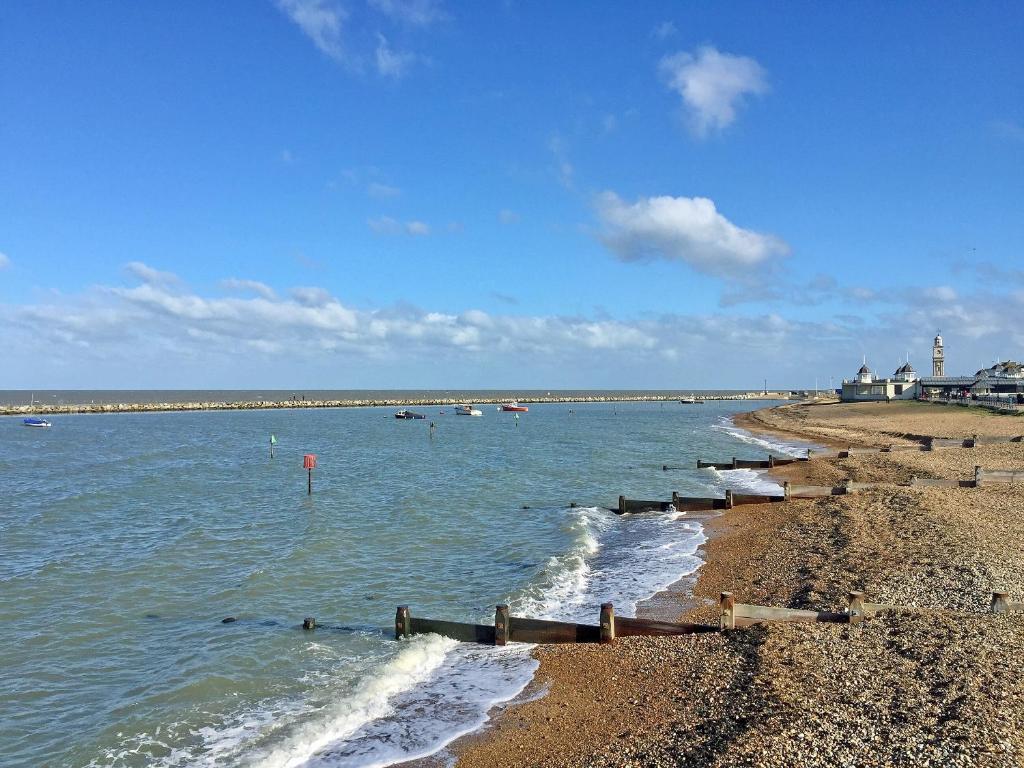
467 410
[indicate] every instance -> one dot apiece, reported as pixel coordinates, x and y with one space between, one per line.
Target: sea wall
41 408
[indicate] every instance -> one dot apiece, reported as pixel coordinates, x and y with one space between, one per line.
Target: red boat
514 407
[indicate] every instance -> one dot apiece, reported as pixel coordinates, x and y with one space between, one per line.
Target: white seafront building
1002 380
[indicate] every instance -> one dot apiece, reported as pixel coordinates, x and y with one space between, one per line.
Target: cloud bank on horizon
174 331
423 194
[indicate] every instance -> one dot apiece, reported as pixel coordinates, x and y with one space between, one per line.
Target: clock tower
938 367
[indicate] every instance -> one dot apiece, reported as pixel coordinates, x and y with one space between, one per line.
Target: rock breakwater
249 405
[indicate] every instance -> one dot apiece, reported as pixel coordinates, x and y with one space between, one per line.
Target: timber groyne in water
251 405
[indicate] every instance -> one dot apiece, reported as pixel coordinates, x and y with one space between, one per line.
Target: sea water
126 539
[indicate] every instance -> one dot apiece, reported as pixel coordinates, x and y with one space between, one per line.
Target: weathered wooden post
1000 602
785 490
771 461
929 444
403 622
501 625
728 614
309 623
622 505
675 499
810 453
728 499
978 472
856 607
846 486
734 466
607 623
309 463
974 441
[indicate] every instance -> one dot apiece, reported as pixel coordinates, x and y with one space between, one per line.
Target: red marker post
309 462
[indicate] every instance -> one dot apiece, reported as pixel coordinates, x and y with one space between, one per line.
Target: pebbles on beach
938 683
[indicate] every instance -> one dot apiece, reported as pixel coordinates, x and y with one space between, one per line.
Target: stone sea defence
246 405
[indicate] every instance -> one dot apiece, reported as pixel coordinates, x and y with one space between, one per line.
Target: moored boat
467 410
34 422
513 406
406 414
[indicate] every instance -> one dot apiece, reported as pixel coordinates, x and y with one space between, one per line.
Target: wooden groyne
519 629
924 444
801 491
732 616
770 463
694 503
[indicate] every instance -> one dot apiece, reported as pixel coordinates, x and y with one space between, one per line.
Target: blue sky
416 193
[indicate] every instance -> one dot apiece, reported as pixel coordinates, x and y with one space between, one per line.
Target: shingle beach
937 683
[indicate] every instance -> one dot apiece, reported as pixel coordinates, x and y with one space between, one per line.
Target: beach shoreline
751 697
679 601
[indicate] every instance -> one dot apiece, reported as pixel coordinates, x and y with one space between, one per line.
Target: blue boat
34 422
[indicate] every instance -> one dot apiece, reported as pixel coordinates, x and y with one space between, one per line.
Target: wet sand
939 684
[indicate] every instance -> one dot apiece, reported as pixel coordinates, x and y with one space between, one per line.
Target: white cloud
321 21
712 85
5 262
313 314
253 286
311 296
392 63
382 191
664 30
506 216
940 293
687 229
148 274
417 13
155 334
385 225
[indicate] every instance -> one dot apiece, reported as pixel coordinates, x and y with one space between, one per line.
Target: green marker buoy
273 442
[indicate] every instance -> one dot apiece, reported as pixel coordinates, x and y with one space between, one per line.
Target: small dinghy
34 422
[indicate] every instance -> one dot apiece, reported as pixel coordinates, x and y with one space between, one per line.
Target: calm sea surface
125 539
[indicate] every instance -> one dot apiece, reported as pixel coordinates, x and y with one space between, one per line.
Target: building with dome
1003 379
867 386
